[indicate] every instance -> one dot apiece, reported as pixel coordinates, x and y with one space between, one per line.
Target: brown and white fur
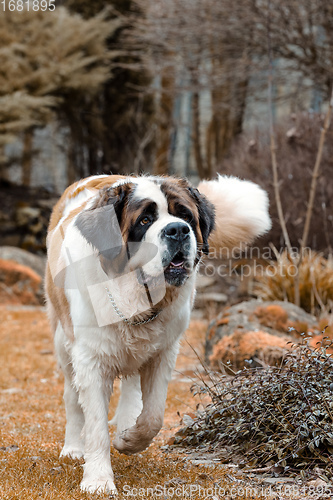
137 237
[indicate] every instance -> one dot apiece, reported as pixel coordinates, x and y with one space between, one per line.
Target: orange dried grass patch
242 346
319 340
273 316
299 326
18 284
326 325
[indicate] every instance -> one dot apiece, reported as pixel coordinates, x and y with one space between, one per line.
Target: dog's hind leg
74 441
129 405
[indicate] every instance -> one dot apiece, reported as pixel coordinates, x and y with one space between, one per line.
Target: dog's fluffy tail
241 212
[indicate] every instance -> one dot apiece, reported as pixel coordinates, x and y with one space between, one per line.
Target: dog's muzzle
176 260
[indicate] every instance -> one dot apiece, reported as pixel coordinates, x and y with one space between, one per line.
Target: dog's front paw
72 452
132 441
100 485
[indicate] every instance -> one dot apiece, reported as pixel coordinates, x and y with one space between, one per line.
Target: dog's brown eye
144 221
187 217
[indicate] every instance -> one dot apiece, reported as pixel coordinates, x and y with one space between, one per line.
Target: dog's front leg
155 376
98 474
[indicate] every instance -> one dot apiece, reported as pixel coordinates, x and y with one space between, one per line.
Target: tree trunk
27 156
200 164
228 103
161 165
76 161
3 169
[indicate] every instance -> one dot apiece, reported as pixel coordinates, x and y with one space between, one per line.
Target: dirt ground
32 423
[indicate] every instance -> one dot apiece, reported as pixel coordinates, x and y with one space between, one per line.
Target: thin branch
276 183
272 140
315 175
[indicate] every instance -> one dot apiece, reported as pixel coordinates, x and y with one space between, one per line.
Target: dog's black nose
176 231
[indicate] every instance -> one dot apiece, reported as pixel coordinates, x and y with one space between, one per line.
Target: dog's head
152 225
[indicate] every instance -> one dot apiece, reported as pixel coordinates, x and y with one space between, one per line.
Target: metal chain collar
126 320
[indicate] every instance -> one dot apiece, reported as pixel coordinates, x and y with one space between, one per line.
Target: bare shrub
297 141
277 415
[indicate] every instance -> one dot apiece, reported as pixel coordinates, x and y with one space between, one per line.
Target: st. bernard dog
122 259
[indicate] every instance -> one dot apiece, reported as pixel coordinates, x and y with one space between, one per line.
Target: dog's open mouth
177 271
178 262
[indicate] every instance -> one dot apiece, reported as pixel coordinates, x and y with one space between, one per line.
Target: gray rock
204 281
243 316
35 262
201 299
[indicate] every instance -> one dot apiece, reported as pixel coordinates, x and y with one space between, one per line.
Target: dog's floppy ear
206 212
100 224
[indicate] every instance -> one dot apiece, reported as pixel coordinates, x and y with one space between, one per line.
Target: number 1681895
21 5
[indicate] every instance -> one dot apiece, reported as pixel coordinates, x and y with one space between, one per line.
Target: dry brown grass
240 347
315 282
32 418
273 316
32 424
